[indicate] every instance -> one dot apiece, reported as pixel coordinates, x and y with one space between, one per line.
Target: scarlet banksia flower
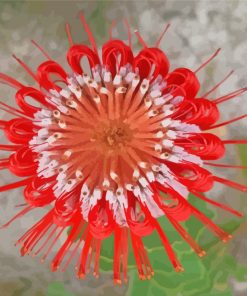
112 150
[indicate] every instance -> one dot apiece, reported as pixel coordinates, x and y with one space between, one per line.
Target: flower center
106 134
114 135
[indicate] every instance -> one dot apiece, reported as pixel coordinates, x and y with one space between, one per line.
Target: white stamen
63 109
70 184
150 176
147 102
67 154
106 183
171 134
143 182
136 174
54 138
96 99
129 77
159 101
142 164
109 195
103 90
114 176
56 114
144 86
129 187
54 92
43 132
155 168
62 124
155 93
166 122
78 174
84 191
76 90
86 78
80 80
117 79
174 158
107 77
46 112
137 191
122 71
135 81
152 113
71 104
65 93
96 76
164 155
46 122
167 143
159 134
121 90
93 84
157 147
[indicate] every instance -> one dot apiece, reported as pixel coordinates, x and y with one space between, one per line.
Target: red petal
19 130
148 57
186 79
45 70
77 52
35 94
206 146
111 52
22 162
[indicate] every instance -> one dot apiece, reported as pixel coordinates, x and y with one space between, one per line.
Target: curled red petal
206 146
39 192
192 176
167 201
33 93
176 214
151 62
48 68
201 112
186 79
22 162
19 130
101 221
114 51
67 208
139 222
77 52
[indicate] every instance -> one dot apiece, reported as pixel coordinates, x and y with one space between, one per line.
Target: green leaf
242 149
57 289
206 276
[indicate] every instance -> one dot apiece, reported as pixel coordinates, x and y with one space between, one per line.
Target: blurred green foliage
208 276
57 289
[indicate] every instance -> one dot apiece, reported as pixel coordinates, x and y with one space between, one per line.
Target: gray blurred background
198 29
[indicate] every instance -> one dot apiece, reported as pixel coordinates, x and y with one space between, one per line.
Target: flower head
111 151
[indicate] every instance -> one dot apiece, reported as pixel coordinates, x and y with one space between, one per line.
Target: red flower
111 151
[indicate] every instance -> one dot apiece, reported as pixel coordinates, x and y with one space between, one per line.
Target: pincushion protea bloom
110 151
